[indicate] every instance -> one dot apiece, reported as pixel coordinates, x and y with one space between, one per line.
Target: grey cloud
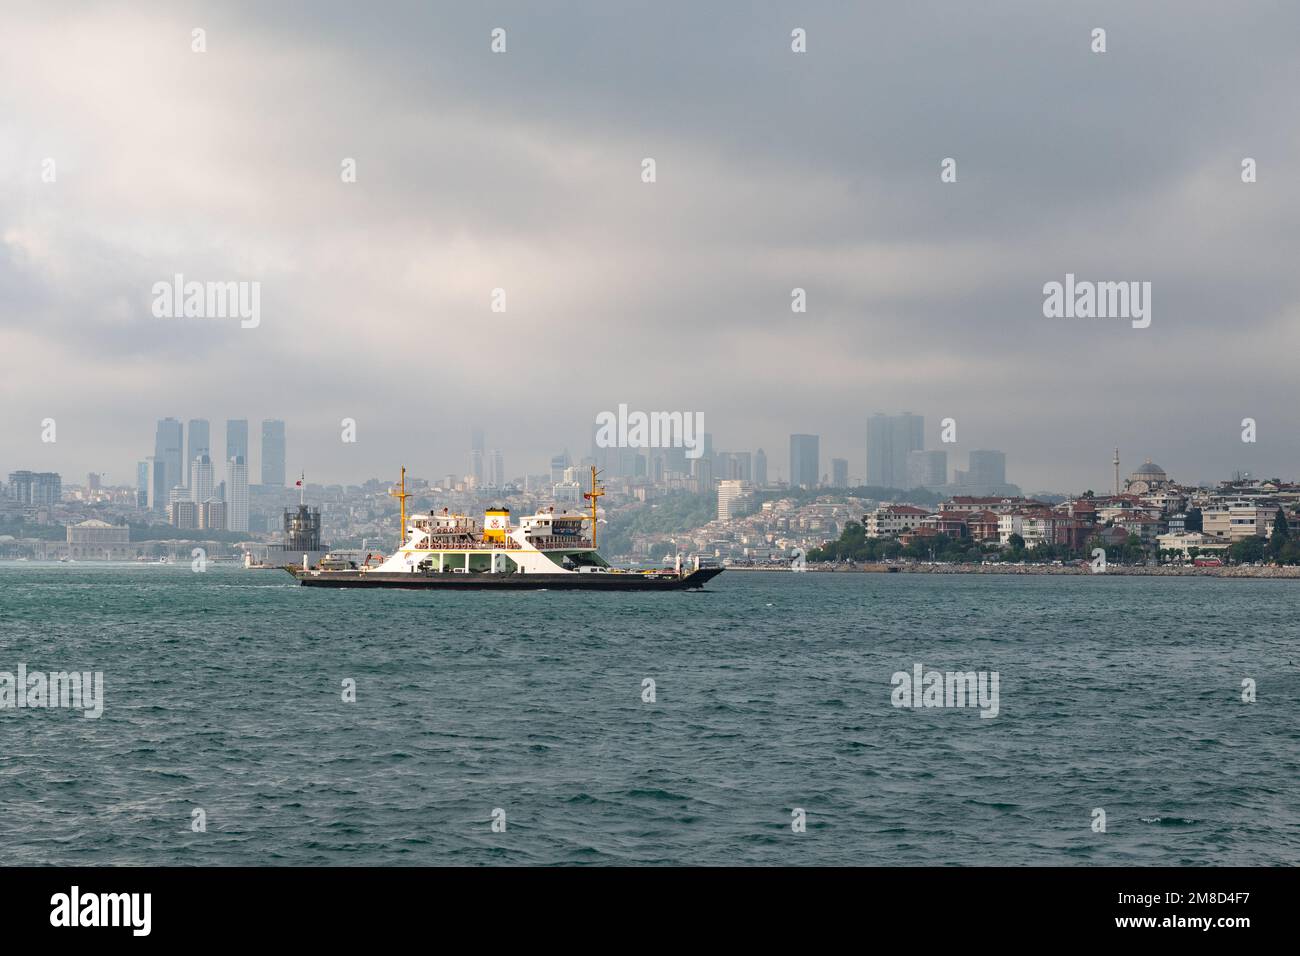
775 171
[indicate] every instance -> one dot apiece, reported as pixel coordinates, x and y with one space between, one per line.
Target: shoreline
1288 572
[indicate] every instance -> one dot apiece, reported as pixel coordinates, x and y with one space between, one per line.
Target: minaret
1116 471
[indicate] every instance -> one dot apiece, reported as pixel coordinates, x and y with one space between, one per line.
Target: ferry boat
545 551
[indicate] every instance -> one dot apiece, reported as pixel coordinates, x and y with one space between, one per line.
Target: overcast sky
522 171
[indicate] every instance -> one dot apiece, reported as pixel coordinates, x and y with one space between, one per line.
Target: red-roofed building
982 525
1143 525
892 520
999 505
917 533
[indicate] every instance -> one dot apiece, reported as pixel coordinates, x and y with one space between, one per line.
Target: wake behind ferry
545 551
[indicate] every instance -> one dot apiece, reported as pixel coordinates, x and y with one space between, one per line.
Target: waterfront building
1184 541
889 521
1145 526
96 540
993 503
1237 518
982 525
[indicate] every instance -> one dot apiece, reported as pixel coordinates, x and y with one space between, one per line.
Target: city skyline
985 467
1238 456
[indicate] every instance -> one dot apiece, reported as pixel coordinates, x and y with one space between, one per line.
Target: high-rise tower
273 453
198 443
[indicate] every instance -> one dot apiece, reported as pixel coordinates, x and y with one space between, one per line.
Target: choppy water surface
223 692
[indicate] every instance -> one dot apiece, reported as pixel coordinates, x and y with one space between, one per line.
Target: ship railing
469 544
559 541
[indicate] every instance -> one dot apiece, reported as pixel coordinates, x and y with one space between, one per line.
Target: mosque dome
1148 477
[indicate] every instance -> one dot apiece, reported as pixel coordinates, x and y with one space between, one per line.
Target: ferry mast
595 493
401 495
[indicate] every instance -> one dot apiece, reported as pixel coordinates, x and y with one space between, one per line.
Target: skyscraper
476 469
760 468
880 463
675 460
805 460
890 438
497 469
743 465
273 453
157 483
731 496
987 469
142 484
839 473
702 473
927 469
722 466
201 479
169 449
198 444
558 464
236 440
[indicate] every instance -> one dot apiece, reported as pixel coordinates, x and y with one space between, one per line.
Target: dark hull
505 582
